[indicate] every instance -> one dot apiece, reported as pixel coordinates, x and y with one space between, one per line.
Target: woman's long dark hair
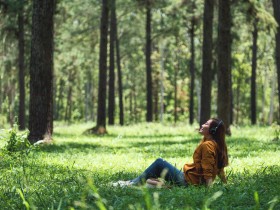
219 137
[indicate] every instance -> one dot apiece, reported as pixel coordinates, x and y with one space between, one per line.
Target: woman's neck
208 138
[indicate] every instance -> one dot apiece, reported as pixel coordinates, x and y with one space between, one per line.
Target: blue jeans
163 169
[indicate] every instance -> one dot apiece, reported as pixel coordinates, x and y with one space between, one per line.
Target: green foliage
15 141
77 52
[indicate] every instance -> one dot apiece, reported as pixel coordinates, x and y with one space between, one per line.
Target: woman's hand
222 176
209 182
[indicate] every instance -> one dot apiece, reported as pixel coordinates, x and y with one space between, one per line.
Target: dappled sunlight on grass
58 174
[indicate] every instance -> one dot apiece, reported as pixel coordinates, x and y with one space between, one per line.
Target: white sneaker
122 183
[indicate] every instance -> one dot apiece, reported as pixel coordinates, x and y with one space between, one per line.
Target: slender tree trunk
176 69
224 54
11 106
156 98
120 88
253 76
192 71
101 110
276 6
206 77
41 71
162 47
135 113
271 107
149 115
60 99
131 116
198 91
21 115
111 104
231 103
237 100
264 88
68 112
88 97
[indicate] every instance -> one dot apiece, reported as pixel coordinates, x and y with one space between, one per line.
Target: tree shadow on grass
78 147
95 147
245 147
244 185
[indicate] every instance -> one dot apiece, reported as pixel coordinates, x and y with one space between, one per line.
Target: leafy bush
15 141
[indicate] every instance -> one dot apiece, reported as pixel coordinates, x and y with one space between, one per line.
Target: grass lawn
75 171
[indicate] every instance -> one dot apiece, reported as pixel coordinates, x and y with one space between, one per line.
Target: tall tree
120 86
276 7
101 110
149 86
253 75
224 69
192 64
41 71
206 77
21 115
176 69
111 101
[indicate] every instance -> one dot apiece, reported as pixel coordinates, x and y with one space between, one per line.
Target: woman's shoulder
208 144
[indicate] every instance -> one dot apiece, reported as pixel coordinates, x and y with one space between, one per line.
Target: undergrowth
77 171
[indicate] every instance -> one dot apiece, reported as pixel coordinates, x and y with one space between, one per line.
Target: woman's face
204 130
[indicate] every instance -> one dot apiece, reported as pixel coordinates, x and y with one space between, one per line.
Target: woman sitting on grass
209 160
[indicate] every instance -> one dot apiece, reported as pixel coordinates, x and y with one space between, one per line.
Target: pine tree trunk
149 115
41 71
276 6
271 107
192 72
111 103
162 48
21 115
253 75
60 100
121 112
119 71
224 54
156 98
206 79
101 111
176 69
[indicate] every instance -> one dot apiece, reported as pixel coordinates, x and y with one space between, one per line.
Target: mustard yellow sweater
205 163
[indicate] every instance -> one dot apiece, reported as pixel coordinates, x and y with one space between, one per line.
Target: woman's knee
159 160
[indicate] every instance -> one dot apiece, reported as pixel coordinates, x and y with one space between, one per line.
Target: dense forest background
155 59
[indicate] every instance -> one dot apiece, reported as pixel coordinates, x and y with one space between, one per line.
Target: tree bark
149 115
276 6
162 55
111 102
121 111
101 110
176 69
21 115
206 78
156 98
224 54
119 72
41 71
192 70
253 75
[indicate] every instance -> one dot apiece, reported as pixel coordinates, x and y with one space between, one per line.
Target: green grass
75 171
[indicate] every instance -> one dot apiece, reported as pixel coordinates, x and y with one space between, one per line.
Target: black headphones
214 130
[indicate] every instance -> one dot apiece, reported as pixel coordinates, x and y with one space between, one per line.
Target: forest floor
76 171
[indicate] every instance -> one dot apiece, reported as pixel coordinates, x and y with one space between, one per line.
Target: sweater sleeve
208 159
